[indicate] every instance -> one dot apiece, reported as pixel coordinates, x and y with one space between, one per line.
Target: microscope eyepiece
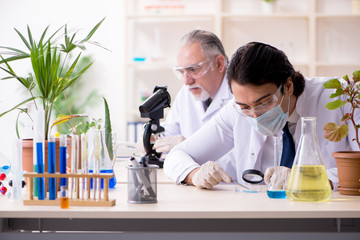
159 100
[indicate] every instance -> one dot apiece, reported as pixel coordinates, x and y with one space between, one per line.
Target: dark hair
258 64
209 43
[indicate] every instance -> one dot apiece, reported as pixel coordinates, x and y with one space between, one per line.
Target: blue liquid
276 194
40 169
139 59
63 181
51 168
5 169
112 181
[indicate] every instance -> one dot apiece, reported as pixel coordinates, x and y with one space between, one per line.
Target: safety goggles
194 71
259 109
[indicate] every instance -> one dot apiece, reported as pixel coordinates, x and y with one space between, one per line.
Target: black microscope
153 108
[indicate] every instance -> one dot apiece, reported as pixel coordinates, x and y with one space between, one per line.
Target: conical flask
308 180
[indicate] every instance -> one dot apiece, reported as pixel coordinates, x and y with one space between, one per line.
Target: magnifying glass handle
243 186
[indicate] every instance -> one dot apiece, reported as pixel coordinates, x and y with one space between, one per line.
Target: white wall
105 75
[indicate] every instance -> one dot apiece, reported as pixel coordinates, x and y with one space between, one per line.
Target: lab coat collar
221 97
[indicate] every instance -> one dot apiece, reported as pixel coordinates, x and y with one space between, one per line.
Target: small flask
308 180
274 191
64 198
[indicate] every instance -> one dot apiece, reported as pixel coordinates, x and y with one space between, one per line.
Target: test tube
84 164
51 167
39 130
273 191
16 169
97 188
63 153
74 166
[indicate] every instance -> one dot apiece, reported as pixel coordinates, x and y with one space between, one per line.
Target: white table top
178 201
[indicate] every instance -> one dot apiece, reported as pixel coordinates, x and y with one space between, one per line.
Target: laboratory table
185 212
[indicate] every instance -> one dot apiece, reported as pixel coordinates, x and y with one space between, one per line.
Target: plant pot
28 155
348 166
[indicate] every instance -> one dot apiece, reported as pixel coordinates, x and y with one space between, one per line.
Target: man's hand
209 175
277 176
165 144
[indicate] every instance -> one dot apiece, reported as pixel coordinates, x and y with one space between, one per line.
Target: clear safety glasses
194 71
259 109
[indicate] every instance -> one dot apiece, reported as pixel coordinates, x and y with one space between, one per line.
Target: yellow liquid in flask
308 183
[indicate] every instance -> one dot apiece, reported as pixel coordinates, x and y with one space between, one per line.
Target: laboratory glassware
51 167
64 198
84 164
63 153
16 169
274 191
74 186
308 180
39 131
106 163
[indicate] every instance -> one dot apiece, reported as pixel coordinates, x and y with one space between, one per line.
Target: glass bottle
64 198
308 180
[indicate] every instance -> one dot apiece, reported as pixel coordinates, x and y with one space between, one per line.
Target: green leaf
92 32
335 104
334 133
332 84
337 93
23 39
345 117
23 102
108 131
356 76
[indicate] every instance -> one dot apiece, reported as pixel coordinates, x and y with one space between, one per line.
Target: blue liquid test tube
39 130
40 169
63 152
51 167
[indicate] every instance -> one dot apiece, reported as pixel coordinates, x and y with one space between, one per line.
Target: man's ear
220 63
289 86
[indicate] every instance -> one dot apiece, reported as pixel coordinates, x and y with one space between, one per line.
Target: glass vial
308 180
16 169
274 191
64 198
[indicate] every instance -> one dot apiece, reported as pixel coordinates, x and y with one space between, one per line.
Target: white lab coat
187 115
251 149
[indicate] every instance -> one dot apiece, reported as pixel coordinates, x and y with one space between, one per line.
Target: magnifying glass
253 176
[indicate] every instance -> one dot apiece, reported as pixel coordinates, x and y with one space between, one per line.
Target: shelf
153 65
338 64
320 37
174 16
332 16
261 16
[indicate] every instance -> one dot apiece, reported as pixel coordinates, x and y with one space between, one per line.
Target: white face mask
270 122
204 95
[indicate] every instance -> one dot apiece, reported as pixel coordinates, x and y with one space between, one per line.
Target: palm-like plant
52 65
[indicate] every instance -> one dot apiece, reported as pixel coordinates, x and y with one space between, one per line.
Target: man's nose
188 80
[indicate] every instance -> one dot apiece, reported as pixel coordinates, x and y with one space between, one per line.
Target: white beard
204 95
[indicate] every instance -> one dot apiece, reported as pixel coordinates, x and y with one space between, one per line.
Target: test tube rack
102 200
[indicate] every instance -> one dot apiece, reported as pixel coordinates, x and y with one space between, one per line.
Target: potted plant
268 6
54 67
348 162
